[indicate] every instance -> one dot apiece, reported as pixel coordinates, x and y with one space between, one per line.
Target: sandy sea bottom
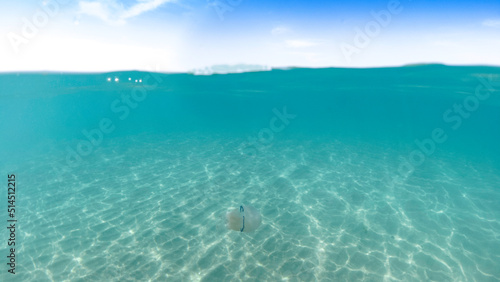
152 208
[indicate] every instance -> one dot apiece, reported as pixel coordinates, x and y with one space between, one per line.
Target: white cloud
144 6
492 23
300 43
76 54
279 30
114 13
96 9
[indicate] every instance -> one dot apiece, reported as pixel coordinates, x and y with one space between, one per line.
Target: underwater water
358 174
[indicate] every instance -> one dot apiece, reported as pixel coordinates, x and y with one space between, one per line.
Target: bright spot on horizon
116 79
109 78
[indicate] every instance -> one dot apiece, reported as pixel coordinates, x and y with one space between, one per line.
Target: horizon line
265 69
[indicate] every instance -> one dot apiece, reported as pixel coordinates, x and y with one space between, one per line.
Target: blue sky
182 35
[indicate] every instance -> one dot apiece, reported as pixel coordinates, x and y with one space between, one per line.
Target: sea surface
381 174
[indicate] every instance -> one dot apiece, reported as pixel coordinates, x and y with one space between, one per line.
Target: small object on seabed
243 219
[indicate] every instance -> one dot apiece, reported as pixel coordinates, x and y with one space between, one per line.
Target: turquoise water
359 174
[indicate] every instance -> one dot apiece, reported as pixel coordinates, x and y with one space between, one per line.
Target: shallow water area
328 211
149 200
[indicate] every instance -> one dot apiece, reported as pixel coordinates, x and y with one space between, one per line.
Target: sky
187 35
